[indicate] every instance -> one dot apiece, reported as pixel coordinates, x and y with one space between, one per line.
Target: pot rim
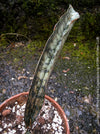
55 104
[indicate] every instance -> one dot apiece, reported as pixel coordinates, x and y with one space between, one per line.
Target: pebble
19 126
23 107
1 129
67 112
13 110
28 72
5 125
16 102
31 78
9 125
4 91
17 112
12 79
56 98
18 106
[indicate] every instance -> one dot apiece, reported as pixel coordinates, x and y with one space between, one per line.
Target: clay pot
22 97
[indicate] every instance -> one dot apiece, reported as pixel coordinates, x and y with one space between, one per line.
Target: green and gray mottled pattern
46 63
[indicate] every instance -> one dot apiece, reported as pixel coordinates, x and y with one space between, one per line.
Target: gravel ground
72 84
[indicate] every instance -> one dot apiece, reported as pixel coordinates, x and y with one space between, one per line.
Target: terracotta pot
22 96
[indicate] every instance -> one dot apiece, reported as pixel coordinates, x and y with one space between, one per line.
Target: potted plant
27 112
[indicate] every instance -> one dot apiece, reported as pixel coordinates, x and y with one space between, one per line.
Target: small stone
13 131
23 128
6 112
65 74
18 112
24 69
18 106
9 130
31 78
5 125
23 123
56 99
12 78
28 72
9 125
13 110
74 44
4 91
16 102
19 126
23 107
67 112
1 129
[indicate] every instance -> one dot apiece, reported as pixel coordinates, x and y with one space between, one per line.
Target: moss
3 43
90 25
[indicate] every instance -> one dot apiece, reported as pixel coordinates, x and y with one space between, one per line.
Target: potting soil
48 121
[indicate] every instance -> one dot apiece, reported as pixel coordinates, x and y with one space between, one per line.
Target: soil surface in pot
48 121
